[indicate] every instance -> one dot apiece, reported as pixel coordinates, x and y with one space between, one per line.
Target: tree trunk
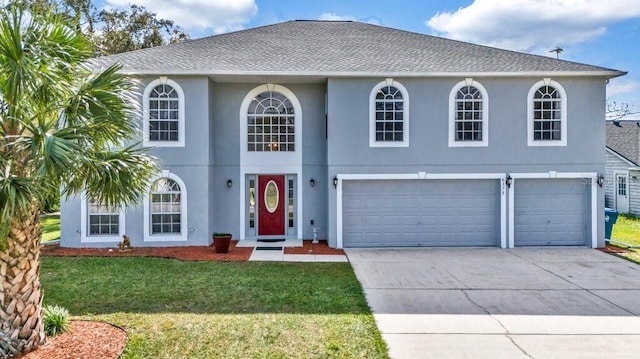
21 326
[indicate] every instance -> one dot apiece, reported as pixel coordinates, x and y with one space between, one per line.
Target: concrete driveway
498 303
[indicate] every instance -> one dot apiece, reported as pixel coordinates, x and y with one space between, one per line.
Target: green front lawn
50 227
174 309
627 230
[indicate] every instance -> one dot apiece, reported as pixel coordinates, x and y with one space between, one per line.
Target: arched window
165 210
389 115
164 114
271 123
468 114
547 114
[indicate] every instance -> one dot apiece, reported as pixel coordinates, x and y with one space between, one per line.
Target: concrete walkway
276 253
497 303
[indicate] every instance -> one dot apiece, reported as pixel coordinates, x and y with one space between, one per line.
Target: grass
174 309
627 230
50 227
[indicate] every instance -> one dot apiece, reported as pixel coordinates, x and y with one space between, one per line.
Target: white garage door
385 213
551 212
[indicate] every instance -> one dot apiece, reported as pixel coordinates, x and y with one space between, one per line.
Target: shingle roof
625 141
338 48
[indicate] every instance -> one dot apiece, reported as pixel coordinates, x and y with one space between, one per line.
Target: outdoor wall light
312 182
335 181
229 183
600 180
508 181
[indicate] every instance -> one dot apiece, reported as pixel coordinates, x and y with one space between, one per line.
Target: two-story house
367 135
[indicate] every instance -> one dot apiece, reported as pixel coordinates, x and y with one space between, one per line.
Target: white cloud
532 25
218 15
620 87
328 16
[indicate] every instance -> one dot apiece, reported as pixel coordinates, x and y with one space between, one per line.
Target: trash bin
610 218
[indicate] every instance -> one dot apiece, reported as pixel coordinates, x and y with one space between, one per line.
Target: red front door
271 208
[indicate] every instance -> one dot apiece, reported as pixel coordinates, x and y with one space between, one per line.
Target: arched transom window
468 114
547 114
270 123
166 208
163 107
389 115
164 114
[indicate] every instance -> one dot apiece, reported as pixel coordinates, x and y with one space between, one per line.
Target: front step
267 243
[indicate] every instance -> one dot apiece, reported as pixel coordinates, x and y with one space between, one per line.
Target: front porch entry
271 206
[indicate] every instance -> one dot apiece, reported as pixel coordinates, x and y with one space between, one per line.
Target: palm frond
104 105
115 178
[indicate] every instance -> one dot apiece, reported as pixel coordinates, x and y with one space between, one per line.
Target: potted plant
221 242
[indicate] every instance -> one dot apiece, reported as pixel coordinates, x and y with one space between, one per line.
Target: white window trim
85 237
148 237
452 115
405 115
563 117
145 114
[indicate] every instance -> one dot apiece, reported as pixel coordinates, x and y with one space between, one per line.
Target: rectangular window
622 185
469 120
547 115
165 213
252 203
291 203
389 120
270 133
103 221
163 130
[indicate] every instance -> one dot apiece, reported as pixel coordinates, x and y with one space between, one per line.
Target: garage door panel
550 212
421 213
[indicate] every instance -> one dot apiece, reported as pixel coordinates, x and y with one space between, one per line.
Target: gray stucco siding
507 150
212 152
348 116
195 227
196 101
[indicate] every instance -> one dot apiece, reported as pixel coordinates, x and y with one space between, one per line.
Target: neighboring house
622 173
372 136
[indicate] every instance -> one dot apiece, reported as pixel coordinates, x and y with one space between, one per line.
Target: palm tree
62 126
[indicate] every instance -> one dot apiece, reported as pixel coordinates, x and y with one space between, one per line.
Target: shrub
56 319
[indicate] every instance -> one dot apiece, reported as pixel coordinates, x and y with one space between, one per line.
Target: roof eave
603 73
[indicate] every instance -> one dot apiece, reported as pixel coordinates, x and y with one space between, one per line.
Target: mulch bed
84 339
613 249
309 248
185 253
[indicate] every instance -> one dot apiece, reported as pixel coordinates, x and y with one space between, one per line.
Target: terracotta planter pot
221 243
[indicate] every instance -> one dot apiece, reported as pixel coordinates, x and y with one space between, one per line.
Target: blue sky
598 32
